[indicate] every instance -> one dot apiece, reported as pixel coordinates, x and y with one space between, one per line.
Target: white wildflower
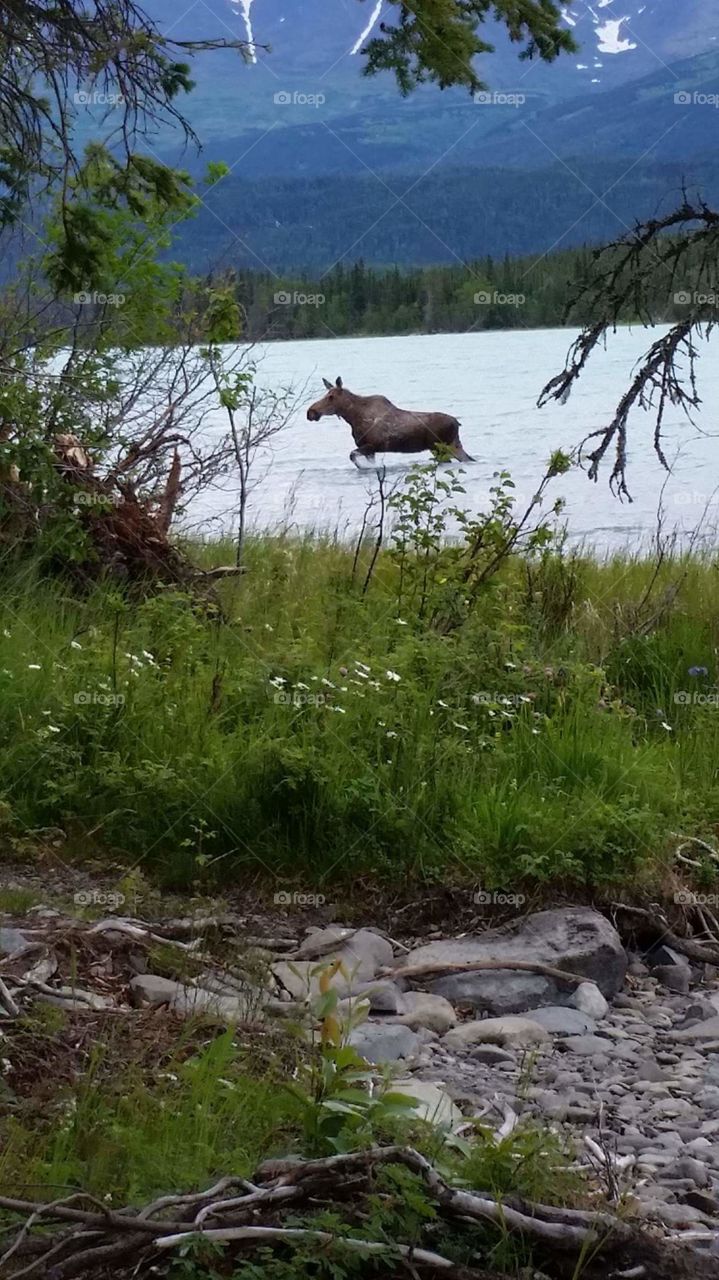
75 644
34 666
392 675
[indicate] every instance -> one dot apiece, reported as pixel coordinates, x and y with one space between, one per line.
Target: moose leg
360 453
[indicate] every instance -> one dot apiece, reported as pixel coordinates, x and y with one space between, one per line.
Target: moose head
332 403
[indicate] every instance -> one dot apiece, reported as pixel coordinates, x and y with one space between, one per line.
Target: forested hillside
454 216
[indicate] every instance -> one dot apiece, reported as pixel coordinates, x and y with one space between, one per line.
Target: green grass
541 740
131 1133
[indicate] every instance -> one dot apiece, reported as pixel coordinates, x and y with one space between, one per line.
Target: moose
378 426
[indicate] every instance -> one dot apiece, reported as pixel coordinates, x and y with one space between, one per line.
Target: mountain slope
315 51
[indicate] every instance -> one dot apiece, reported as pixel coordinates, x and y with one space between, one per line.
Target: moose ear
338 382
327 384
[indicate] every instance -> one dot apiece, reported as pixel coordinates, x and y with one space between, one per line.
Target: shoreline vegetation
320 719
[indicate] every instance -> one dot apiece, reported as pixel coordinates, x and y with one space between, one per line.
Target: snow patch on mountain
611 39
368 29
243 9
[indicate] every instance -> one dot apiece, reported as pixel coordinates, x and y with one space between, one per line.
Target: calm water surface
490 381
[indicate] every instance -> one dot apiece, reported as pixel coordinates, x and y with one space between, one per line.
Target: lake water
490 381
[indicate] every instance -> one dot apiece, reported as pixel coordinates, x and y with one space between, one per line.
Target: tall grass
312 734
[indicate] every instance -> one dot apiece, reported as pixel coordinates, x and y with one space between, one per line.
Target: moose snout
312 415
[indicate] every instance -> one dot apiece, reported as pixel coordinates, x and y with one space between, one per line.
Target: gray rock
575 938
148 989
362 951
649 1069
362 955
664 955
425 1010
711 1074
587 1046
384 1041
673 1215
673 976
12 940
708 1030
491 1055
588 999
519 1032
194 1001
692 1169
434 1104
562 1020
383 997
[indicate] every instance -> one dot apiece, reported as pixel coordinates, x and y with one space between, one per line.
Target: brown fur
378 426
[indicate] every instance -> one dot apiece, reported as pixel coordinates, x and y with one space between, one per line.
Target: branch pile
81 1236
